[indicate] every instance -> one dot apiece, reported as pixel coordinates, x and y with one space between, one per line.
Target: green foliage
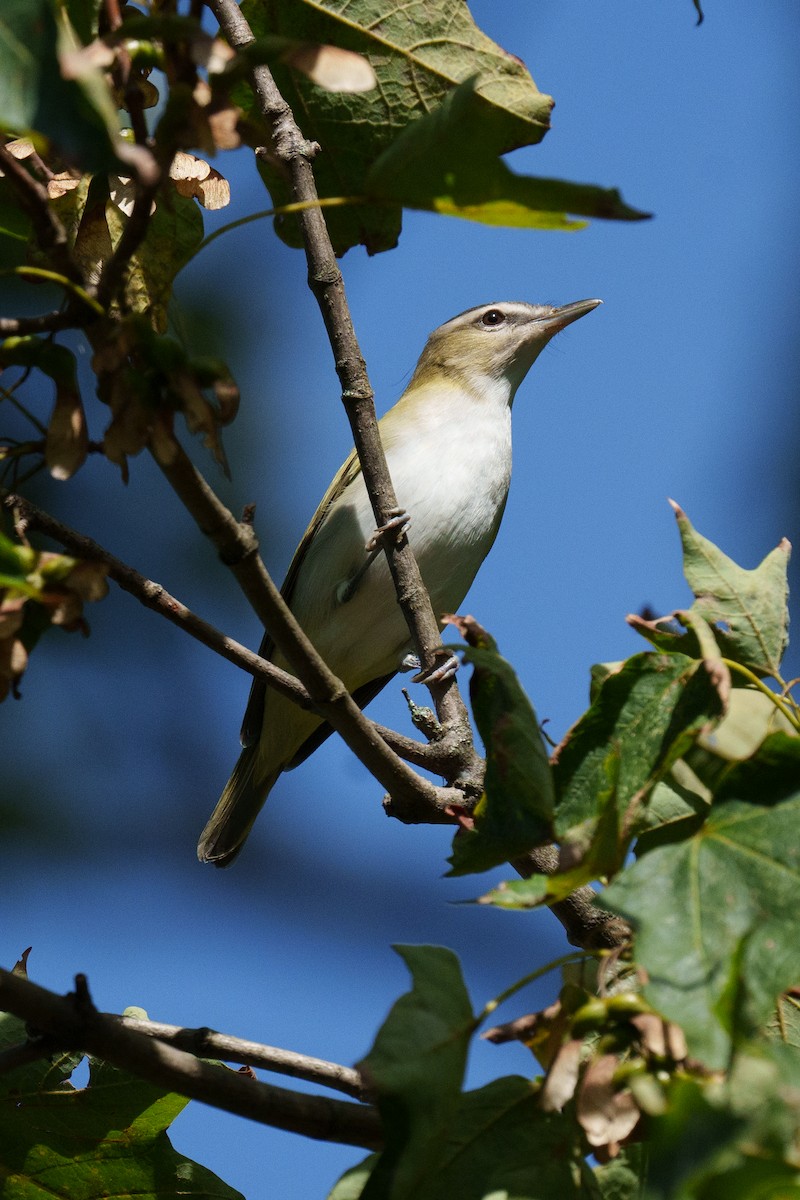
107 1139
748 609
440 1141
516 811
37 590
419 139
717 960
47 91
449 161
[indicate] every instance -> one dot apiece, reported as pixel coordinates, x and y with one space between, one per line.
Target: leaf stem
573 957
752 678
69 285
281 210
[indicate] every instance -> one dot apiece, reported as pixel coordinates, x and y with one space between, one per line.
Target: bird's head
491 348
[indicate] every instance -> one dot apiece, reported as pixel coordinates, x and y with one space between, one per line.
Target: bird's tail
240 803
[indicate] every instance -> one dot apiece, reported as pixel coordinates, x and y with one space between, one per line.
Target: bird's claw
398 522
438 674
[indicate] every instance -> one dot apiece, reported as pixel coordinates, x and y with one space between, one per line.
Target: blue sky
683 384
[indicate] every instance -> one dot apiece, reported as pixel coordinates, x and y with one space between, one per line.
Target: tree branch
416 799
207 1043
325 280
28 516
586 925
72 1023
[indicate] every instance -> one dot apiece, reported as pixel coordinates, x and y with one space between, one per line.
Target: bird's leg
398 521
445 670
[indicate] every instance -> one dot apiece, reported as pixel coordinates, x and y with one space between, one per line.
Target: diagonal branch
417 799
207 1043
72 1022
28 516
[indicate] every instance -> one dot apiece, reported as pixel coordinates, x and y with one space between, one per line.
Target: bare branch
325 280
207 1043
416 798
585 924
72 1023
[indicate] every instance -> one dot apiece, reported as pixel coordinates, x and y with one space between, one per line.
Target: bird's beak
559 318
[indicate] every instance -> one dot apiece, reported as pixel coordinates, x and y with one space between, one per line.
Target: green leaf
419 53
715 915
499 1144
502 1144
352 1183
623 1177
416 1069
46 93
515 812
174 233
643 718
519 893
448 161
733 1139
106 1140
748 609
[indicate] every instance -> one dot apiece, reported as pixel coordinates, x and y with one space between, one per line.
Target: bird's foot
438 674
398 523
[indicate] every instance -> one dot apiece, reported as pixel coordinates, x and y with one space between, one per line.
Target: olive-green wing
254 713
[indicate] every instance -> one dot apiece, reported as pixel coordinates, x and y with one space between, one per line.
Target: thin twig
72 1023
152 595
207 1043
414 798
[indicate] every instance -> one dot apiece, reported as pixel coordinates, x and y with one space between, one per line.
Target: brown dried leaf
194 177
224 125
13 661
226 394
562 1078
88 580
20 148
75 63
67 610
188 166
219 55
130 426
63 182
519 1030
20 967
199 413
93 246
163 443
607 1114
332 68
12 615
67 441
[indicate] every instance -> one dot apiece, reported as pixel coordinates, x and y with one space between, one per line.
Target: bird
447 442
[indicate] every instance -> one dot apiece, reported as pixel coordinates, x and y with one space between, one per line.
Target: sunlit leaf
715 914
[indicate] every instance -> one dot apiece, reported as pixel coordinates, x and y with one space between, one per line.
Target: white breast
452 477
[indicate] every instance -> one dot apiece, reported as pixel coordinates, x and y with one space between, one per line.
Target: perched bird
448 447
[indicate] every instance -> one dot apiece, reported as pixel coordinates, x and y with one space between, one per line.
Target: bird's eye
493 316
